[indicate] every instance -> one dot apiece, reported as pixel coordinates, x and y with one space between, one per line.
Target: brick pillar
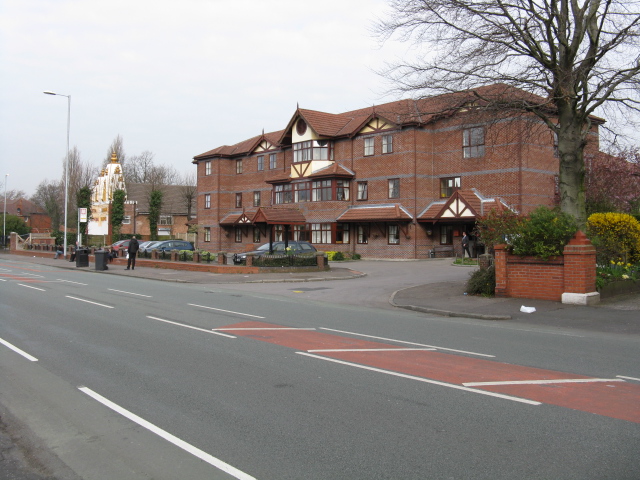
500 264
222 258
320 260
249 260
580 271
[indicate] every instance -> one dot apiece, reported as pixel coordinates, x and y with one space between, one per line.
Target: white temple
110 180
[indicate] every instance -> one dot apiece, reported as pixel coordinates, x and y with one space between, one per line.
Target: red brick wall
531 277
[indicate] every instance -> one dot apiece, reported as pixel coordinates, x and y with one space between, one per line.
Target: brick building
35 218
389 181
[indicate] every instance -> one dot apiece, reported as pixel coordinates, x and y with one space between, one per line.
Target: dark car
168 245
278 249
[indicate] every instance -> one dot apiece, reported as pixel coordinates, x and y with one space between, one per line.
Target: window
387 144
446 235
272 161
301 233
363 190
448 186
207 200
256 235
256 198
239 166
394 188
312 150
238 200
283 194
473 142
302 192
368 146
321 190
393 235
165 220
342 233
342 189
260 163
126 220
207 167
238 234
363 234
278 233
320 233
207 234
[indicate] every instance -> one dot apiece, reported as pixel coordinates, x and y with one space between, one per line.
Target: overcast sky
177 78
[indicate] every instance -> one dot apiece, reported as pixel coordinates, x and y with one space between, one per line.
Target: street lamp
4 214
66 167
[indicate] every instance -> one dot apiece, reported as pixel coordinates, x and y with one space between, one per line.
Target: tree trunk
572 172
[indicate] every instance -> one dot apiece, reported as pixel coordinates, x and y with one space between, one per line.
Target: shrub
544 233
482 282
356 256
494 227
616 237
335 256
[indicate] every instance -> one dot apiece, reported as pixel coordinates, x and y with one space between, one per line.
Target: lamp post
4 214
66 167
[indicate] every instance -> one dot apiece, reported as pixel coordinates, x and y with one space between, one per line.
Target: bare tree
139 167
573 56
188 189
15 194
81 174
50 197
117 146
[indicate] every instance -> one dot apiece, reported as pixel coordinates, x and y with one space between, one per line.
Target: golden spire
114 158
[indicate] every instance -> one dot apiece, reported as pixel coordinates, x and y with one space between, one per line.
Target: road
116 377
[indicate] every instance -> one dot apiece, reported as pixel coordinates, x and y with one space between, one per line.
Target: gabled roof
173 201
239 149
26 207
279 215
376 213
333 170
463 205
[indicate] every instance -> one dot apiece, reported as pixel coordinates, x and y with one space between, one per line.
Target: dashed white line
210 459
190 326
69 281
17 350
262 328
409 343
225 311
421 379
30 286
88 301
543 382
129 293
32 275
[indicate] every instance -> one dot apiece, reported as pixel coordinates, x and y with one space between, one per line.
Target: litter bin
82 257
432 253
101 257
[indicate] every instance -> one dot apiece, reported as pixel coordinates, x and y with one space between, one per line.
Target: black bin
101 257
82 257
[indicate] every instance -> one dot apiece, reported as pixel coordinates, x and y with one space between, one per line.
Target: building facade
390 181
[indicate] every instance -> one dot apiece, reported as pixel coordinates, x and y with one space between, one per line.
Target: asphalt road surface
105 377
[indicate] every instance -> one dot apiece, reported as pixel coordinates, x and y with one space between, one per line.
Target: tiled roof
230 218
333 170
376 213
27 207
279 215
173 202
245 147
462 205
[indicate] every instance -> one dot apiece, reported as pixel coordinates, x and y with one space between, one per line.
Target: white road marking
190 326
629 378
409 343
29 286
33 275
130 293
2 280
87 301
211 460
421 379
69 281
225 311
543 382
374 350
17 350
265 328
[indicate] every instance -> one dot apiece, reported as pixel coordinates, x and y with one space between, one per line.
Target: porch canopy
378 214
461 206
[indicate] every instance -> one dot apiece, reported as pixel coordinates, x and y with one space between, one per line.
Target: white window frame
387 143
369 146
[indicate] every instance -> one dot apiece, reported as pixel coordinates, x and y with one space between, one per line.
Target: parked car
118 245
168 245
278 249
144 246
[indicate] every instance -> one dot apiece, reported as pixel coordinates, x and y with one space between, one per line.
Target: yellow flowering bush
616 237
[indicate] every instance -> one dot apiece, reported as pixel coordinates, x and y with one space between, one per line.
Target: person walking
132 251
465 245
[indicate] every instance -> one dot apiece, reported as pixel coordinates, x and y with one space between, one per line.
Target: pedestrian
58 252
132 251
465 245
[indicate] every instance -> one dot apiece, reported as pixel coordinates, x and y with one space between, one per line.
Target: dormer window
312 150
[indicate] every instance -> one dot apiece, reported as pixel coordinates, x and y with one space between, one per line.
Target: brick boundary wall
570 278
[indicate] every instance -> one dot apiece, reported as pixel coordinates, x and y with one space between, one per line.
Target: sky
177 78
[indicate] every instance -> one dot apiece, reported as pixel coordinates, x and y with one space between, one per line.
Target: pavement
442 295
